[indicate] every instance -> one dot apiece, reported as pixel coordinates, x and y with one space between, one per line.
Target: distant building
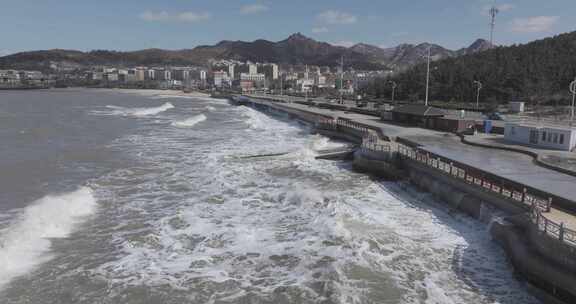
140 74
548 137
181 74
320 80
305 85
163 75
112 77
150 75
269 70
9 78
221 79
231 71
252 69
257 78
247 85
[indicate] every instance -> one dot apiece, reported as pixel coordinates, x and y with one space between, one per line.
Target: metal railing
553 229
474 177
370 139
513 192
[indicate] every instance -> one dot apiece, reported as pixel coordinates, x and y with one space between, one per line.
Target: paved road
511 165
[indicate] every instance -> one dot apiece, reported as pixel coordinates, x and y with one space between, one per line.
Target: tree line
537 72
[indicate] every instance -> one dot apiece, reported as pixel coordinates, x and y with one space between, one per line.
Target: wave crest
24 243
190 122
140 111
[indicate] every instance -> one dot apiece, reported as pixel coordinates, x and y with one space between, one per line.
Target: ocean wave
255 119
172 96
139 111
190 122
24 244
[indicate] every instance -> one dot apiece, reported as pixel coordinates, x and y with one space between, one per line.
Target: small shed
548 137
416 114
516 106
450 124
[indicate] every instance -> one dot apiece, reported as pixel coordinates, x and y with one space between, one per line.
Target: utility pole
306 82
394 85
428 75
342 79
281 85
479 84
573 91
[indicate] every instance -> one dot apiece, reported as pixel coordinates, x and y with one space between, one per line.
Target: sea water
110 197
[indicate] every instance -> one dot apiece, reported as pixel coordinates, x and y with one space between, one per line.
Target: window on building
561 139
513 131
555 138
543 136
549 137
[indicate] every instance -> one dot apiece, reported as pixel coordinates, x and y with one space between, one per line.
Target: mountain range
296 49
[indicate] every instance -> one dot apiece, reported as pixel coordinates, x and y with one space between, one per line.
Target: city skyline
186 24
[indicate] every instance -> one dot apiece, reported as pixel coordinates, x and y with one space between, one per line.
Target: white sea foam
190 122
210 108
25 243
115 110
221 228
173 96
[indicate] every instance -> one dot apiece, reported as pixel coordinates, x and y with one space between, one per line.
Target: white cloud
253 9
536 24
321 29
344 43
336 17
501 8
179 17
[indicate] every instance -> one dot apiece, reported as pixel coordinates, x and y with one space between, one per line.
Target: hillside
539 71
296 49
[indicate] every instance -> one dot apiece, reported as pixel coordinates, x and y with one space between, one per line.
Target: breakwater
543 252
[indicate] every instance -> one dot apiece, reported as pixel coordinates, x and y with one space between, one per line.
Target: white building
252 68
274 71
547 137
305 85
256 77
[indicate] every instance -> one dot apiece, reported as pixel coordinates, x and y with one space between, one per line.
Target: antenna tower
493 12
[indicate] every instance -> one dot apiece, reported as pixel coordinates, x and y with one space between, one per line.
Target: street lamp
573 90
428 74
479 84
281 85
394 85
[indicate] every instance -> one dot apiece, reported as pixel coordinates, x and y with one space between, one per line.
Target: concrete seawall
543 261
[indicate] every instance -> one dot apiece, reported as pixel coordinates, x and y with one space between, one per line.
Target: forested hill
540 71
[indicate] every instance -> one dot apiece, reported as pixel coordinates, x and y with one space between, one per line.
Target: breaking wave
25 243
140 111
190 122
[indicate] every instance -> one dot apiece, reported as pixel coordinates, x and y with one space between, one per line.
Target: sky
179 24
